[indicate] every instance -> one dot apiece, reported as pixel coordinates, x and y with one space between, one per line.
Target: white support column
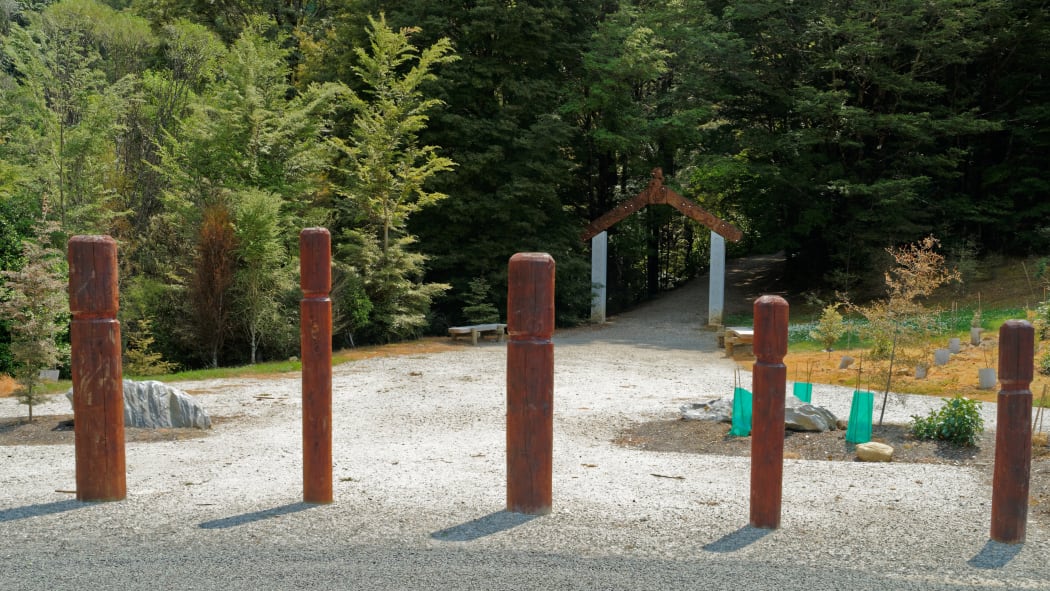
599 263
717 283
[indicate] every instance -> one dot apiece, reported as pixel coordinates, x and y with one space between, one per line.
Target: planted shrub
958 421
1044 364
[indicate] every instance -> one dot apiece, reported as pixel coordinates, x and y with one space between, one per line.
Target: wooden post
1013 432
769 382
98 390
530 383
315 325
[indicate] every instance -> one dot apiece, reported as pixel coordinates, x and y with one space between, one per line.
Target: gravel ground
419 450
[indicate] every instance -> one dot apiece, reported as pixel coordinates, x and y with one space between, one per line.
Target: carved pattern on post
530 383
769 382
315 325
1013 432
98 400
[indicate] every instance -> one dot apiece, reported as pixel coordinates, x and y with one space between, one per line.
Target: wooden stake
530 383
769 375
98 391
1013 433
315 325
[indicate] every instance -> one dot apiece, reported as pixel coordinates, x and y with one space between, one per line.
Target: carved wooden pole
530 383
315 326
98 391
769 382
1013 432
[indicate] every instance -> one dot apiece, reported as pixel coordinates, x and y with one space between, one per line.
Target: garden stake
1013 434
769 382
98 391
530 383
315 333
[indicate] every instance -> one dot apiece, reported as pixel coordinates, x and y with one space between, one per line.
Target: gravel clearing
419 449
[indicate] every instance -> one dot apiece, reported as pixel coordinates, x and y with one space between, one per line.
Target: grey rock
802 416
716 409
155 405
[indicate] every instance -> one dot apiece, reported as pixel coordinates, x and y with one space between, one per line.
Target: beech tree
384 170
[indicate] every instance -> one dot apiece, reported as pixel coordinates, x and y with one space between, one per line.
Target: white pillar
599 263
716 289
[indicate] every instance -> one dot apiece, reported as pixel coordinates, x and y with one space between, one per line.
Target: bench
738 340
478 329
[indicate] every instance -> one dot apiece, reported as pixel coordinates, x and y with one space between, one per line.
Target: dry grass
7 386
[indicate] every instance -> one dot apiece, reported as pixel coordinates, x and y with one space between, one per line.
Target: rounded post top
1016 354
771 327
93 287
530 296
315 261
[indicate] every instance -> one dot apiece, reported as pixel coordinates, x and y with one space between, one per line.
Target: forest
436 139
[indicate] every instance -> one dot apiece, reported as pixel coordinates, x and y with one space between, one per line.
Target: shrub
830 328
958 421
1044 364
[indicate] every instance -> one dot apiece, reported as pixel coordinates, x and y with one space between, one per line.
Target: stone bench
477 330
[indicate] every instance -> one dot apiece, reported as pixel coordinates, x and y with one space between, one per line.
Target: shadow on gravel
255 516
995 555
40 510
734 541
483 526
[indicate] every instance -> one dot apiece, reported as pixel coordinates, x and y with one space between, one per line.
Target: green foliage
34 301
139 358
479 310
830 327
263 273
385 171
958 421
1044 364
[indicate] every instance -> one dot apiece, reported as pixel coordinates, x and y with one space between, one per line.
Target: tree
35 302
211 280
385 170
261 276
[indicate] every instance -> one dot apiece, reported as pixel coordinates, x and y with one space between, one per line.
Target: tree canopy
437 139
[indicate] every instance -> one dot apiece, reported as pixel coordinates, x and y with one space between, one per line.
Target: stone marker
874 451
155 405
715 409
802 416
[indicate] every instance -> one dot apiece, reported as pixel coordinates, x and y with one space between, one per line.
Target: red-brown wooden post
1013 432
530 383
769 382
98 390
315 326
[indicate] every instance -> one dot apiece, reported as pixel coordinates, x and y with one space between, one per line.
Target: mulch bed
709 437
58 430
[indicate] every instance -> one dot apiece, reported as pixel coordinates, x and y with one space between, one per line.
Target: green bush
958 421
1044 364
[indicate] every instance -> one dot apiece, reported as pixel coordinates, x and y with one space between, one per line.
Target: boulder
155 405
716 409
874 451
802 416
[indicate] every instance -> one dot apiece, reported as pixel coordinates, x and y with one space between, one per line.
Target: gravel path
419 468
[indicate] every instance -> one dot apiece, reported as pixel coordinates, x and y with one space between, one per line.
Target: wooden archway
658 193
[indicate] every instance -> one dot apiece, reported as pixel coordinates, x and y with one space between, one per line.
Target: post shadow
483 526
39 510
245 518
738 539
995 555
